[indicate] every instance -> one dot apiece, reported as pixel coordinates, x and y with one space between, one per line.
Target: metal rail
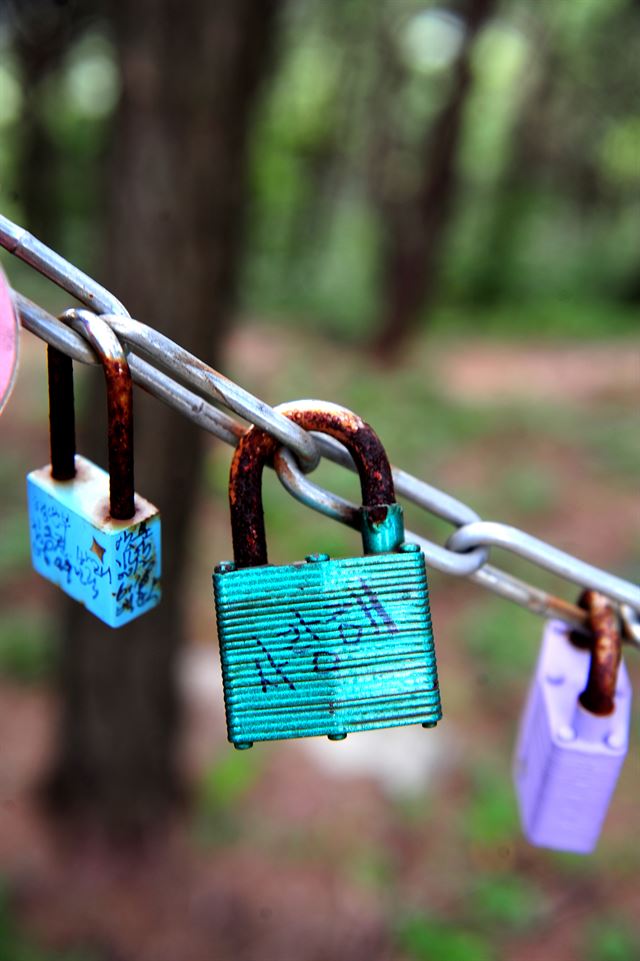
180 379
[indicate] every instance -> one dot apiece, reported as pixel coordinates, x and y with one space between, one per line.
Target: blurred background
426 212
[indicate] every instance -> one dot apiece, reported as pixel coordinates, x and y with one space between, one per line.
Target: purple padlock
573 738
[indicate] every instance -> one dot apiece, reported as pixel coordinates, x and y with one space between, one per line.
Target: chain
183 381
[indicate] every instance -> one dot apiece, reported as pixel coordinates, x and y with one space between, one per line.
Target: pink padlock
8 341
574 734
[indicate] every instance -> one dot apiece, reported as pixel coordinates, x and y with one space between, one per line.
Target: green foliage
541 77
526 489
620 150
27 650
17 946
612 940
538 318
427 940
14 543
221 790
10 475
500 906
503 640
370 868
548 79
227 781
507 903
346 288
491 817
303 95
500 58
612 441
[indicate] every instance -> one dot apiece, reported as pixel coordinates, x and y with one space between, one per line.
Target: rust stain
256 448
606 650
120 437
102 518
120 427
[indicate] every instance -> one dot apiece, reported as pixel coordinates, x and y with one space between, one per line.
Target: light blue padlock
90 533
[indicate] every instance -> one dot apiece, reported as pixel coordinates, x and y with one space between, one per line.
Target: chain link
184 382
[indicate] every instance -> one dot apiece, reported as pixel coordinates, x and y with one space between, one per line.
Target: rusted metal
119 408
91 535
606 649
568 758
120 437
256 449
62 425
333 645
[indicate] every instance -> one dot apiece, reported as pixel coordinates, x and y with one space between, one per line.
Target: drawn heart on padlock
8 342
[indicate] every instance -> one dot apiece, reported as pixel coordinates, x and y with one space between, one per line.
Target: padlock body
112 567
326 647
567 760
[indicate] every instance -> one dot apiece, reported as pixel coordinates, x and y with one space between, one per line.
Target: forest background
428 213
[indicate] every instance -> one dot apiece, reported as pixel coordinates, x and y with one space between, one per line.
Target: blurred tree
415 219
515 196
340 36
190 74
576 96
42 33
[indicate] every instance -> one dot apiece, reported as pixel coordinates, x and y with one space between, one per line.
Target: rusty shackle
119 410
605 645
256 448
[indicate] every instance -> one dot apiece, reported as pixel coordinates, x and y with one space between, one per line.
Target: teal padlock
325 646
90 533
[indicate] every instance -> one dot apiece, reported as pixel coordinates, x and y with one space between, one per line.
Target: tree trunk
41 35
190 72
414 226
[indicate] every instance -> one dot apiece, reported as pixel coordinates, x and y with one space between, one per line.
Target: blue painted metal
382 536
110 566
327 647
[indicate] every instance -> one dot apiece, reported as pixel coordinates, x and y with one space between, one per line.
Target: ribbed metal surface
326 646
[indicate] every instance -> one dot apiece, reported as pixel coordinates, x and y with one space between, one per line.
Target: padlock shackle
256 448
119 410
606 650
62 418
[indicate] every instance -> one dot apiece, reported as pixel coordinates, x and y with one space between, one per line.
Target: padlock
325 646
90 533
574 734
9 341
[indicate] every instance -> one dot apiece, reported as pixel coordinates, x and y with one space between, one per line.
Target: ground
391 846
